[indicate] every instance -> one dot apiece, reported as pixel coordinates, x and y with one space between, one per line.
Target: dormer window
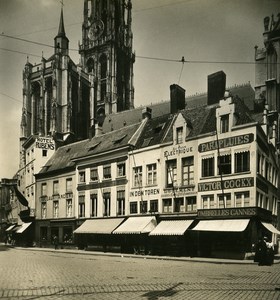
224 124
179 135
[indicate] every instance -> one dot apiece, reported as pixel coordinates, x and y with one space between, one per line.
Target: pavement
171 258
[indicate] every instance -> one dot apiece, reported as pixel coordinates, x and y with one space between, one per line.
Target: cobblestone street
32 274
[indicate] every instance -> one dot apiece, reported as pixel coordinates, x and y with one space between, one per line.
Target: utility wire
11 97
20 52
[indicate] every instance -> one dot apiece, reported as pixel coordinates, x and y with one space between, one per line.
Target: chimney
146 113
177 98
216 87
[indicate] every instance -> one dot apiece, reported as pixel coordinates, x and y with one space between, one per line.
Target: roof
63 158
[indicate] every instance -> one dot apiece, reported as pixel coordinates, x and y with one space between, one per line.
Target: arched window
103 76
100 116
90 65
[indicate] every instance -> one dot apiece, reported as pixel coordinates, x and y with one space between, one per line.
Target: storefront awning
23 227
137 225
10 228
270 227
174 227
222 225
99 226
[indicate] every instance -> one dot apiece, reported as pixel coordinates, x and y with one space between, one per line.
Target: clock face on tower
95 30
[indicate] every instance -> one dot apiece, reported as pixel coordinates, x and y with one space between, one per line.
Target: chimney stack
146 113
177 98
216 87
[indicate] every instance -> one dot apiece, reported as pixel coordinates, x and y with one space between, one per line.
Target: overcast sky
205 32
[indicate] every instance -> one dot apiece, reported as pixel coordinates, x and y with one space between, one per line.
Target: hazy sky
205 32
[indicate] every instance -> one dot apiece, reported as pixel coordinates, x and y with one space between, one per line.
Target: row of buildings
195 175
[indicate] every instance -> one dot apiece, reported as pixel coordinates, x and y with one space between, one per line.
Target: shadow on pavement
154 295
4 247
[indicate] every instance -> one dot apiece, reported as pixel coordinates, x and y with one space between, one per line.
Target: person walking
55 241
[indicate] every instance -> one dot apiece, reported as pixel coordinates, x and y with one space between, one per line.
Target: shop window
207 167
171 176
242 162
55 187
179 205
187 171
133 207
69 211
224 164
94 174
191 204
167 205
121 202
81 206
68 185
179 135
152 174
120 169
107 204
143 207
55 209
224 200
224 123
137 176
82 177
43 233
43 210
107 172
67 235
93 204
153 206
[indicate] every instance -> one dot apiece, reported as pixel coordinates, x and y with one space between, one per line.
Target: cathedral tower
106 55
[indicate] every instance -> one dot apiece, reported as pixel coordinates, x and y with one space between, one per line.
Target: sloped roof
63 158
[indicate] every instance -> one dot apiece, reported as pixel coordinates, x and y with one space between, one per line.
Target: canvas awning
23 227
172 227
137 225
10 228
99 226
222 225
270 227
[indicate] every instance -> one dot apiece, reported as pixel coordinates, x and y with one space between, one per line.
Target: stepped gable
62 160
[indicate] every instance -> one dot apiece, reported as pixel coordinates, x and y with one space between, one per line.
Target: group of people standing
264 252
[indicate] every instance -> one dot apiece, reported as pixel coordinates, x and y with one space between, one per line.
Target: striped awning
137 225
236 225
99 226
172 227
270 228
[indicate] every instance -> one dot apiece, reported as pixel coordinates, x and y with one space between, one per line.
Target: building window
224 123
120 169
81 206
206 200
68 185
69 211
207 167
133 207
143 207
93 204
191 204
224 164
55 209
242 162
171 167
44 210
44 153
121 202
82 177
167 205
43 189
224 201
179 205
179 135
107 172
153 206
152 174
187 171
94 174
137 176
242 199
107 204
55 187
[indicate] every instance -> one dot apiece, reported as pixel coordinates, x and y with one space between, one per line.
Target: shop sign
60 196
146 192
175 151
227 142
178 192
226 184
228 212
45 143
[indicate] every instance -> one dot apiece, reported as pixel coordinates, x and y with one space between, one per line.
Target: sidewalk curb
125 255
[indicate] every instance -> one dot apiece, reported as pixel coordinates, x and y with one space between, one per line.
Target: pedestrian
262 252
55 241
269 252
